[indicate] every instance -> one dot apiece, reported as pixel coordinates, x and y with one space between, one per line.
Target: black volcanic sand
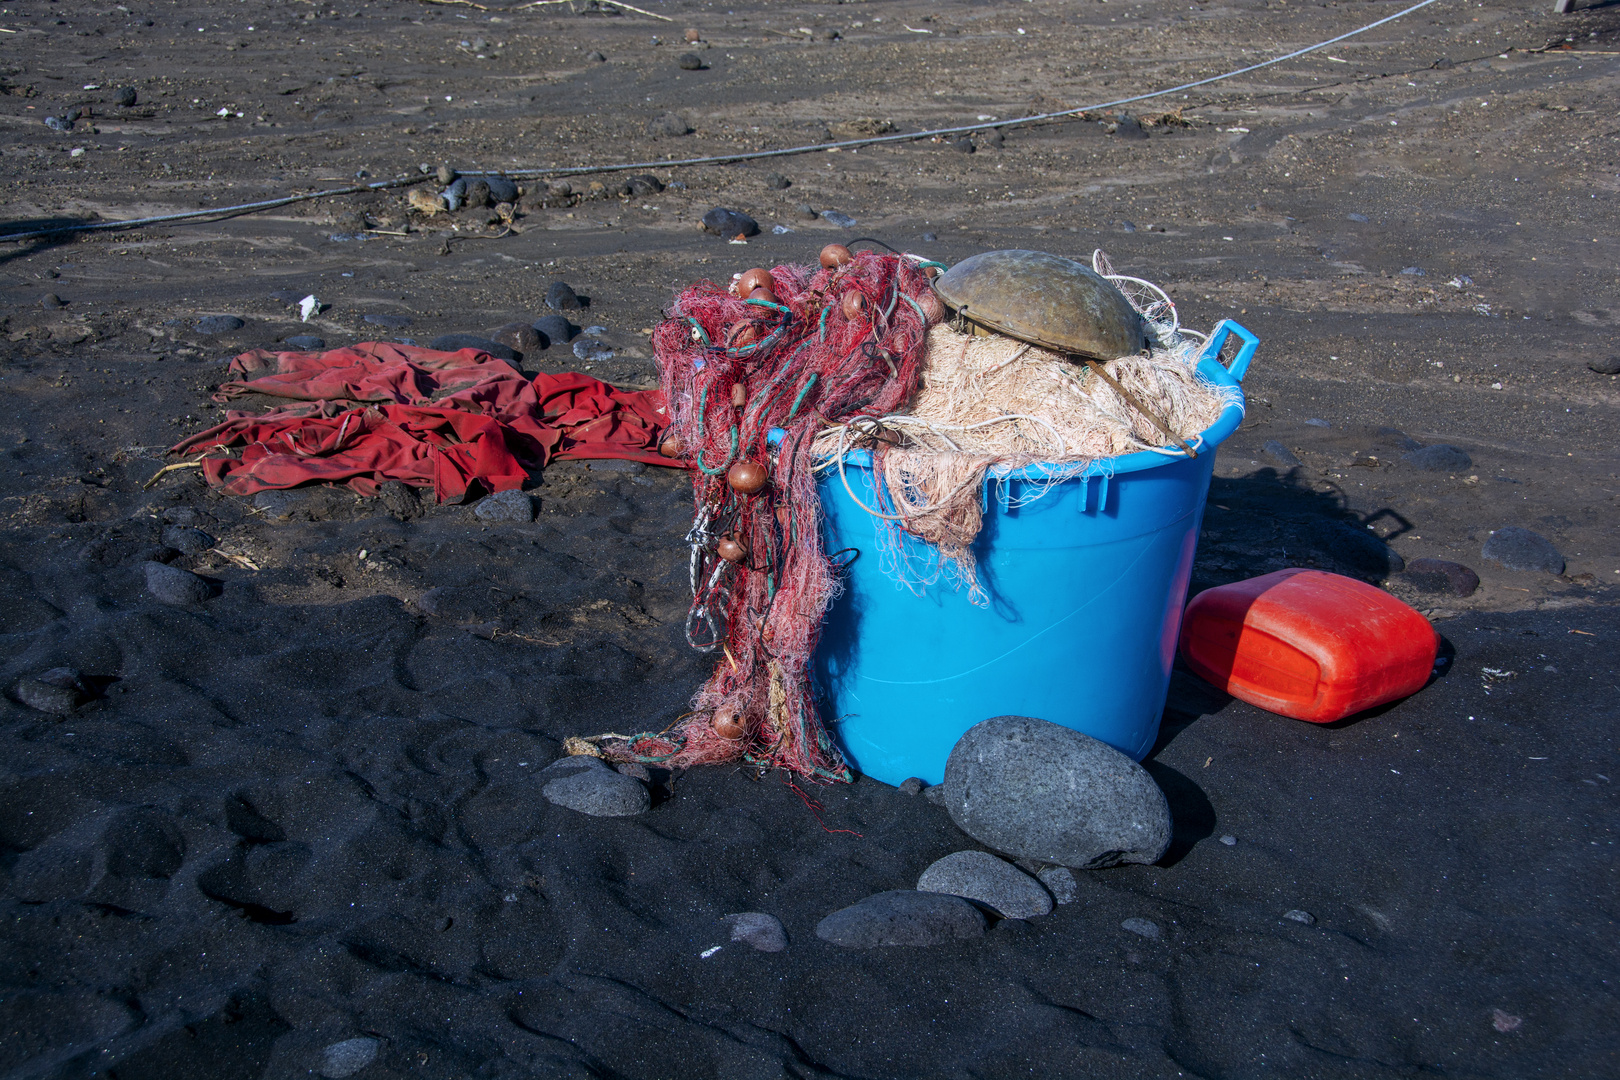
301 811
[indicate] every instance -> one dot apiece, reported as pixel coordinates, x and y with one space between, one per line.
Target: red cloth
448 421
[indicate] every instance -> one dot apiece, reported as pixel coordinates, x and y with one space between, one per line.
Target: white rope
721 159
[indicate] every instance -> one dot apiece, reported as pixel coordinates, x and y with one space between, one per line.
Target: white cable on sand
721 159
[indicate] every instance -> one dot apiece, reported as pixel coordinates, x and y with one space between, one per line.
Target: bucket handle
1217 340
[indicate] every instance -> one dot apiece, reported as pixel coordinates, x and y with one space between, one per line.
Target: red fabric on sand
377 411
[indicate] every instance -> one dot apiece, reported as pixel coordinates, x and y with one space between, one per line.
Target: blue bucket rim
1209 366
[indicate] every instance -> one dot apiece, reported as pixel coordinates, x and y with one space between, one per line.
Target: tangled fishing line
221 212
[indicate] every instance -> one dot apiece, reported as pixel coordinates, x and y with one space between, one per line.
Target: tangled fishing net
992 404
853 355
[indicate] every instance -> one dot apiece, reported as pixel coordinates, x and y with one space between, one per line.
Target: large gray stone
759 929
344 1059
586 784
981 877
1522 549
1039 791
506 506
902 917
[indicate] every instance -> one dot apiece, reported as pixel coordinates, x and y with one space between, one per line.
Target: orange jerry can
1308 644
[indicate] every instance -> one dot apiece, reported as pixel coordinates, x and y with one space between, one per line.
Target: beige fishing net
992 404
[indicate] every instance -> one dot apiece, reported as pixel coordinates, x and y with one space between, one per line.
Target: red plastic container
1308 644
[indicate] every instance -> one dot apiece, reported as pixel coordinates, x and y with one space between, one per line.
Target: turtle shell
1051 301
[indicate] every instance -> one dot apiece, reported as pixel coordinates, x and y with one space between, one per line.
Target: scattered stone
764 932
505 506
1128 226
59 123
344 1059
1145 927
125 97
1355 547
1413 271
478 195
594 331
1060 882
993 139
963 144
218 324
560 296
187 540
521 338
669 125
445 174
1608 365
1279 453
843 221
1317 421
1037 790
1129 127
400 500
555 329
777 182
1522 549
1441 457
1229 840
457 342
58 691
930 238
806 211
51 302
690 61
1360 218
586 784
304 342
902 917
591 349
644 185
981 877
594 57
934 793
911 785
1441 576
1299 916
692 35
729 223
390 322
172 585
278 505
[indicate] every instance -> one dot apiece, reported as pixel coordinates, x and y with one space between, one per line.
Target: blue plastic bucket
1086 586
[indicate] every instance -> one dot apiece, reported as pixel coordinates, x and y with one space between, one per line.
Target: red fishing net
826 347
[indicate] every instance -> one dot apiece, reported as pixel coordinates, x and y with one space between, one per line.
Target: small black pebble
304 342
218 324
391 322
1609 365
174 586
555 330
911 785
777 182
561 297
963 145
50 302
1279 453
668 123
729 223
125 97
645 184
690 62
595 58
